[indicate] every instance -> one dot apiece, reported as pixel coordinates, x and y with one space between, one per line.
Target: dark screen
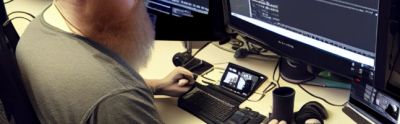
394 82
179 8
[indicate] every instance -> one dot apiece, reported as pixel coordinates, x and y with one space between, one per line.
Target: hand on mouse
174 84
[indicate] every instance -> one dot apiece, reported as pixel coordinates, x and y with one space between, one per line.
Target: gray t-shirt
71 79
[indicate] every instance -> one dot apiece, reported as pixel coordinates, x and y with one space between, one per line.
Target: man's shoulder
52 59
125 106
54 55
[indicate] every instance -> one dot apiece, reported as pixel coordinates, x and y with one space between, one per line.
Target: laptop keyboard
210 106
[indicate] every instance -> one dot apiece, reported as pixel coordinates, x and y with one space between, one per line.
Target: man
80 58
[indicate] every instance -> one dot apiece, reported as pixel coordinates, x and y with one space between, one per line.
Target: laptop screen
240 80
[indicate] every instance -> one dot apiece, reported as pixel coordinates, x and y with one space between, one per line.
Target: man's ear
131 3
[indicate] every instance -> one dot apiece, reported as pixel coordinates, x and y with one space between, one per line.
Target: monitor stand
295 71
189 47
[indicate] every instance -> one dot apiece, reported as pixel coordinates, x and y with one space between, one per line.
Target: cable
18 17
315 96
236 44
318 97
69 24
201 48
394 63
248 45
277 81
7 2
206 73
275 69
220 63
23 12
270 87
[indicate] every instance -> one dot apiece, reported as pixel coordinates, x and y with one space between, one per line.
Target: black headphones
180 59
193 64
311 110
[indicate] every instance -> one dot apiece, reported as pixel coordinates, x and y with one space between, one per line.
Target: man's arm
174 84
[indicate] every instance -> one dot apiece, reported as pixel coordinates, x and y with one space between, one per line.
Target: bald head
121 25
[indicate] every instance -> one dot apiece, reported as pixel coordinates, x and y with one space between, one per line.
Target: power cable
22 12
318 97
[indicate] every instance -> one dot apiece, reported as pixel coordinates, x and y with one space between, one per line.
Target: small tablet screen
241 80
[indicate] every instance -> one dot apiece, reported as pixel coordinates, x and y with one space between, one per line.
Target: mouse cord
274 73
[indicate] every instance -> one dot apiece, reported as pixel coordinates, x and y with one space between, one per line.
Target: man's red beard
131 37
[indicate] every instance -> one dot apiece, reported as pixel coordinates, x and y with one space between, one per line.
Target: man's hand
274 121
174 84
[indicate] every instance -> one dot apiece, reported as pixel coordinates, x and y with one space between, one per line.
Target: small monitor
393 85
335 35
241 80
187 20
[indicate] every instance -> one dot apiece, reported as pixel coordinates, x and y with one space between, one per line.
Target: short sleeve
133 107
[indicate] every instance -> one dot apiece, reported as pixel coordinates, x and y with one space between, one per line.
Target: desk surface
160 64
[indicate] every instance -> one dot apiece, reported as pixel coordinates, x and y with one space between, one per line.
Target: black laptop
216 103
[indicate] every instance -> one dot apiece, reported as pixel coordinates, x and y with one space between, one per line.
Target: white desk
160 65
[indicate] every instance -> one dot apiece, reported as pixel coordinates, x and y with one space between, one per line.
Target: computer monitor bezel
329 61
255 85
301 52
200 27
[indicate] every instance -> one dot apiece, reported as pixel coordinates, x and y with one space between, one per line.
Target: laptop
216 103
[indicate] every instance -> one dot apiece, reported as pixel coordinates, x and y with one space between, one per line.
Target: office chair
9 30
12 92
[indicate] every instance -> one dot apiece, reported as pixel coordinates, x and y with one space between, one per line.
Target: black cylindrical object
283 102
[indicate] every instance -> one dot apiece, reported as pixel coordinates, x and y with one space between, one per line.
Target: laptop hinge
234 96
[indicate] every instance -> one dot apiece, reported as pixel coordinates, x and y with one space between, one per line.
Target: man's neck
55 18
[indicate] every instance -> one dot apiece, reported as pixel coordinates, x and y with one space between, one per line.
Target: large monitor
187 20
332 34
348 37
